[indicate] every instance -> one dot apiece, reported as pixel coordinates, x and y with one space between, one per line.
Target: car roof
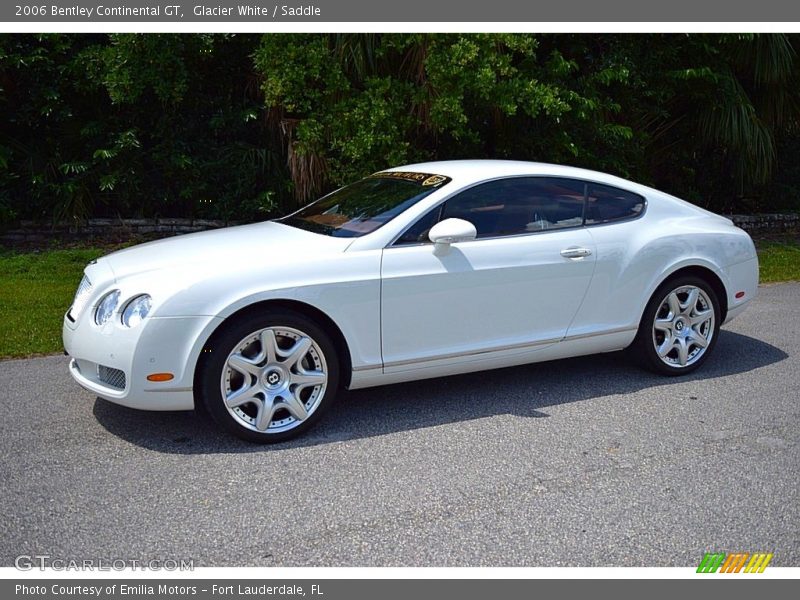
472 171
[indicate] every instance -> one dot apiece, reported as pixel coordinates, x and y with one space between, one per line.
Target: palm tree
731 105
757 97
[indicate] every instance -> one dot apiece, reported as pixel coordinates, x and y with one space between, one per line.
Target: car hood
231 248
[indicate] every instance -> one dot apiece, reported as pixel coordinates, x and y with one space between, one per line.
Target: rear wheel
270 376
679 327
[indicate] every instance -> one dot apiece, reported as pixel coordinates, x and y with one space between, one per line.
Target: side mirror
451 231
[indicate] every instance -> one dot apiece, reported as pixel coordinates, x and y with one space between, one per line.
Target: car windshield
362 207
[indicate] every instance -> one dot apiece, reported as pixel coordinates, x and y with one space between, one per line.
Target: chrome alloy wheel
273 379
683 326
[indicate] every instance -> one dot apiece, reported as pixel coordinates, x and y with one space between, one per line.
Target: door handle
575 252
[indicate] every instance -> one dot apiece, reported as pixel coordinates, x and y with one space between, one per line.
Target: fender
686 264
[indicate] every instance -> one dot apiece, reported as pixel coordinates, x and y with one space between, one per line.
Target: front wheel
679 327
269 377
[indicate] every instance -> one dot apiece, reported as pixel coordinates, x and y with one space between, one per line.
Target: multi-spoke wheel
679 327
269 377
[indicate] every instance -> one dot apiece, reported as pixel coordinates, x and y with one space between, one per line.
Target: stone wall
33 234
768 223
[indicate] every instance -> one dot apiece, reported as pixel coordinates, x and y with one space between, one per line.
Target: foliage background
247 126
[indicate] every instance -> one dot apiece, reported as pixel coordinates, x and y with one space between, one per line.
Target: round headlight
106 307
136 310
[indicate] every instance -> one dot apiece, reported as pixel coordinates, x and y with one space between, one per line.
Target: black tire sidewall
219 348
644 347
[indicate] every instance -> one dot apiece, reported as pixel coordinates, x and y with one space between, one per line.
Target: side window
418 232
605 204
519 205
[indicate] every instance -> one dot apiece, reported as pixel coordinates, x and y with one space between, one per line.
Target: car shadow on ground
521 391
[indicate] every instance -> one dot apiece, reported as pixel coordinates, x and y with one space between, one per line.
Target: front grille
81 297
111 377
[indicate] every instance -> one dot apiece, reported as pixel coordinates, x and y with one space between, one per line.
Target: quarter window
606 204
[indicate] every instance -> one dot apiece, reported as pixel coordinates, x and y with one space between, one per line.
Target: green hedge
245 126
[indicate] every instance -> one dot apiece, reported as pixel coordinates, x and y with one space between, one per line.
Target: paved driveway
586 461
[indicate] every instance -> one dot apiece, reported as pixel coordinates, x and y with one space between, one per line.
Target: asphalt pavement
583 462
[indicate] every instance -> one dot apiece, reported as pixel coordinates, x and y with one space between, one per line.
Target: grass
36 288
778 261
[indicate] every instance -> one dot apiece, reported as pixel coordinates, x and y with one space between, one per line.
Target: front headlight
136 310
106 307
81 297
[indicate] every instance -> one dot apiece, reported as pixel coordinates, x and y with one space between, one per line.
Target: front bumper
113 361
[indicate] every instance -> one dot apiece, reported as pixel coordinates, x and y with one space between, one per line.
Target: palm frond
733 125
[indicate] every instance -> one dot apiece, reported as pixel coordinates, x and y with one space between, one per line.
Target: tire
270 376
677 332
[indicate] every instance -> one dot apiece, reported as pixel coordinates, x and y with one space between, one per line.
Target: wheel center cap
679 325
273 378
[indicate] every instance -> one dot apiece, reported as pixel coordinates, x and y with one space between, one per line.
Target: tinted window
364 206
519 205
418 232
605 204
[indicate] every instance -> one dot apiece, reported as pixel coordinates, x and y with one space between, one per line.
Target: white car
421 271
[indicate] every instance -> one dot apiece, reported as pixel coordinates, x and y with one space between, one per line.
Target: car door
516 286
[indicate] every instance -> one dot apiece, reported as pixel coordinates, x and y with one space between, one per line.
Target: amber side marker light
160 377
739 295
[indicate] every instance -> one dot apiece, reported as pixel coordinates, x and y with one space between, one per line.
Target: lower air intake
111 377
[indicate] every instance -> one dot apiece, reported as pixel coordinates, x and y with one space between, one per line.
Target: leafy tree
170 125
246 126
348 105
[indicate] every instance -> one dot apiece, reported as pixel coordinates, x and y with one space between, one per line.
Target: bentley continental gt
419 271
